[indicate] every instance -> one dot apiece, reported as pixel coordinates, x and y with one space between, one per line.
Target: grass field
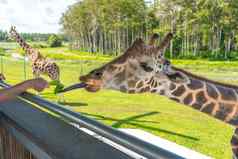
152 113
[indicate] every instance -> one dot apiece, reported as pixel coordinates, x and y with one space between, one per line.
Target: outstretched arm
10 93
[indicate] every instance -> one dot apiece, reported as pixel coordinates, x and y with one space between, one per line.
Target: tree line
204 28
4 36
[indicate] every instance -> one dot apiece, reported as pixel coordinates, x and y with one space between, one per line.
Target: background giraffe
143 68
40 65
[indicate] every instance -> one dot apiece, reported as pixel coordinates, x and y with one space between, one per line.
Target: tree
204 28
105 25
54 41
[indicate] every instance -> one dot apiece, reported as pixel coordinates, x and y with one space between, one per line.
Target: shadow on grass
47 95
133 118
101 117
136 121
73 104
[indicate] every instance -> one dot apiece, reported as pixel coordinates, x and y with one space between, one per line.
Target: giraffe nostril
82 78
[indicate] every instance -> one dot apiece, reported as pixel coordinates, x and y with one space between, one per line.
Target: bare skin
38 85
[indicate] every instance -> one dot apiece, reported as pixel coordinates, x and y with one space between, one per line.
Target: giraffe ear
137 45
178 77
164 44
153 39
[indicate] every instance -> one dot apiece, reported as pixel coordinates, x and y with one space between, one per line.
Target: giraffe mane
133 50
204 78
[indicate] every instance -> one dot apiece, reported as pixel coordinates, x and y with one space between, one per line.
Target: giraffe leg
36 74
234 144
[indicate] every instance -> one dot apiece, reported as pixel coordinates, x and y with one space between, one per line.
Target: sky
29 16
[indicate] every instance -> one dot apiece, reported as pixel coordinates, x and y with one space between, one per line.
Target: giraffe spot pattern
208 108
140 84
123 89
155 84
131 84
120 77
175 99
112 68
234 121
224 110
179 91
200 100
162 92
145 89
195 84
150 81
172 86
227 93
234 140
153 90
211 91
188 99
131 91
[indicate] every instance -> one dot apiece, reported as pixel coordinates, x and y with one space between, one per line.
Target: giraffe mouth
91 88
93 85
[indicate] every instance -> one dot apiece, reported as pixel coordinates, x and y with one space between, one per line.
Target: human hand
38 84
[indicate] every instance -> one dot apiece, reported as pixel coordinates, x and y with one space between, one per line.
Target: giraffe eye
145 67
96 73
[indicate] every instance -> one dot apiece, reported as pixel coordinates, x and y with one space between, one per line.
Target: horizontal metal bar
23 138
143 148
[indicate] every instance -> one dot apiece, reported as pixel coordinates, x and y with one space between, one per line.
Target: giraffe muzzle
93 84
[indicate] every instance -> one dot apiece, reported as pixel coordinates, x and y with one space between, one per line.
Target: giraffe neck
214 98
26 47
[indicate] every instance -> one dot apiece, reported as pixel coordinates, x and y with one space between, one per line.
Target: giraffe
40 65
143 68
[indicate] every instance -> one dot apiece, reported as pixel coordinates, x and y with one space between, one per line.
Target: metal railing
134 144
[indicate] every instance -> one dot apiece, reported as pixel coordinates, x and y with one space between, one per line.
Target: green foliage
58 86
2 51
94 23
55 41
3 36
39 45
111 26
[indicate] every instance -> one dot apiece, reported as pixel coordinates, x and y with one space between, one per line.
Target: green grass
152 113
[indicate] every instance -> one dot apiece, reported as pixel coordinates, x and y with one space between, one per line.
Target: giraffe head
32 53
136 70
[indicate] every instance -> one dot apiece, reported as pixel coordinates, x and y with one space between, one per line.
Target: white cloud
33 15
3 1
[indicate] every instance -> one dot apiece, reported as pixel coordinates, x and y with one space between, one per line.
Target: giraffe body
40 64
143 68
46 67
